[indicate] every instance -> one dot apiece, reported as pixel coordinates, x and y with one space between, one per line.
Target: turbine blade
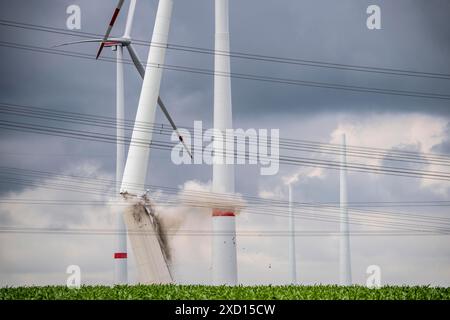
76 42
140 68
110 41
130 18
99 50
111 24
172 123
185 146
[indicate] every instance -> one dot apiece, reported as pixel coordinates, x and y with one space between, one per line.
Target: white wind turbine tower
224 265
292 261
117 44
345 270
120 254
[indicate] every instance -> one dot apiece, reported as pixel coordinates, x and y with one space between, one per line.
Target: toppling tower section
142 224
148 240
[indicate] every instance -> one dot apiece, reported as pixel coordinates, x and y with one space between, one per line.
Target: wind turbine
292 260
345 270
224 265
117 45
126 41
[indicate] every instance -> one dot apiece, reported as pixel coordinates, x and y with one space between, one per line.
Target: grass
197 292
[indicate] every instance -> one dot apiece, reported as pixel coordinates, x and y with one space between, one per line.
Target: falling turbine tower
224 265
148 244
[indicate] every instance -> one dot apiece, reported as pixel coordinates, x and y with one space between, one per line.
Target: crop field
197 292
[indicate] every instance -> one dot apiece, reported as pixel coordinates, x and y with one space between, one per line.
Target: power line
286 144
415 221
328 164
253 204
243 76
252 233
240 55
231 197
316 216
166 145
192 199
283 203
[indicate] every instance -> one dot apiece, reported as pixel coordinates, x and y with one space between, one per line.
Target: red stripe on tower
222 213
120 255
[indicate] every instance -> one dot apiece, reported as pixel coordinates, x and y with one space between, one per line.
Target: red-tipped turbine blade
102 45
111 24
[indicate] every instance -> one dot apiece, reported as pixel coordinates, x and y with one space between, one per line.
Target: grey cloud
444 147
415 36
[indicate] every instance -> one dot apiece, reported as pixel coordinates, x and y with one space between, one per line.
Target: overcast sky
415 36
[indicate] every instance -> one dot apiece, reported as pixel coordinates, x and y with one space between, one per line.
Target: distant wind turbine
345 270
292 259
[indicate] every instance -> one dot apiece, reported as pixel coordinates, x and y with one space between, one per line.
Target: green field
177 292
